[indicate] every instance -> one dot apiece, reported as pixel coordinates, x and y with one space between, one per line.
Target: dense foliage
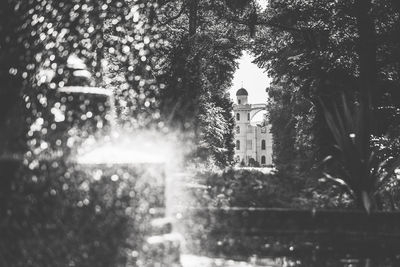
62 215
321 50
38 38
53 214
253 188
168 64
197 71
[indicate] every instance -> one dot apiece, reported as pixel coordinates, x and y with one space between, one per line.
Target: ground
201 261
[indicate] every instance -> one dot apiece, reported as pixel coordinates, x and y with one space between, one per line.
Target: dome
241 92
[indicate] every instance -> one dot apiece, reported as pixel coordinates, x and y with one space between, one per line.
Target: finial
242 84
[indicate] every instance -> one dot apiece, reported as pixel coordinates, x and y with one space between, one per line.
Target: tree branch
261 22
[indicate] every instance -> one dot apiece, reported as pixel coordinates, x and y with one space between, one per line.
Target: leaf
339 181
389 172
366 200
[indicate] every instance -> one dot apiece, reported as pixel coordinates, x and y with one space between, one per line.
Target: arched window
237 116
262 144
237 145
262 159
239 102
248 116
238 129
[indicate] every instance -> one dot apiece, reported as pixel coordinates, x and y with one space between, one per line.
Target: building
253 140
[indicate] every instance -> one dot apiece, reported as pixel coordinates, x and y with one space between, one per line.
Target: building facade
253 141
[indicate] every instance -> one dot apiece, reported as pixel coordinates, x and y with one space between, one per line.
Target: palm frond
346 121
339 181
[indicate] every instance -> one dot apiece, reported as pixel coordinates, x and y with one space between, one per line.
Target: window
238 129
262 159
237 116
248 116
249 144
237 145
262 144
239 101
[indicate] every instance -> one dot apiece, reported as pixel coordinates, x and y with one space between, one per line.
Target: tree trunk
192 83
193 13
13 58
366 49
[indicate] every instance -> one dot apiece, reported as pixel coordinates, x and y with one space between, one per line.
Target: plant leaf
339 181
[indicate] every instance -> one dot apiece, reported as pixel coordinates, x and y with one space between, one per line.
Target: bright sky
263 3
254 80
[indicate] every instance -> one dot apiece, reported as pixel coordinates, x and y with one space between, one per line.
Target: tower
253 143
242 96
242 128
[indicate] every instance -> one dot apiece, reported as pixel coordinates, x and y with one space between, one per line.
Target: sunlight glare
143 148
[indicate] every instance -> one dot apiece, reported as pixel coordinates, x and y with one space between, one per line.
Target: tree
42 200
323 49
201 54
291 124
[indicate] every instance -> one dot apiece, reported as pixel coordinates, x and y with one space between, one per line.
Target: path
201 261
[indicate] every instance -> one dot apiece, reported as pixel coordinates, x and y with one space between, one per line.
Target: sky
263 3
251 77
254 80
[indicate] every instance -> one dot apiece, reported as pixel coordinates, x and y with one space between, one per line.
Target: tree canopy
322 50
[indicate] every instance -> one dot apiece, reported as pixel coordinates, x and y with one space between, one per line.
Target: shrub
362 173
253 188
58 215
244 188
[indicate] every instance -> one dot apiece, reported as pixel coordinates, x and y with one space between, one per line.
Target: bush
249 188
54 215
244 188
253 188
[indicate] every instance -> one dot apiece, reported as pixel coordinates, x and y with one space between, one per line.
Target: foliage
214 131
252 188
244 188
321 49
197 70
53 214
364 174
317 55
38 39
61 215
291 118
